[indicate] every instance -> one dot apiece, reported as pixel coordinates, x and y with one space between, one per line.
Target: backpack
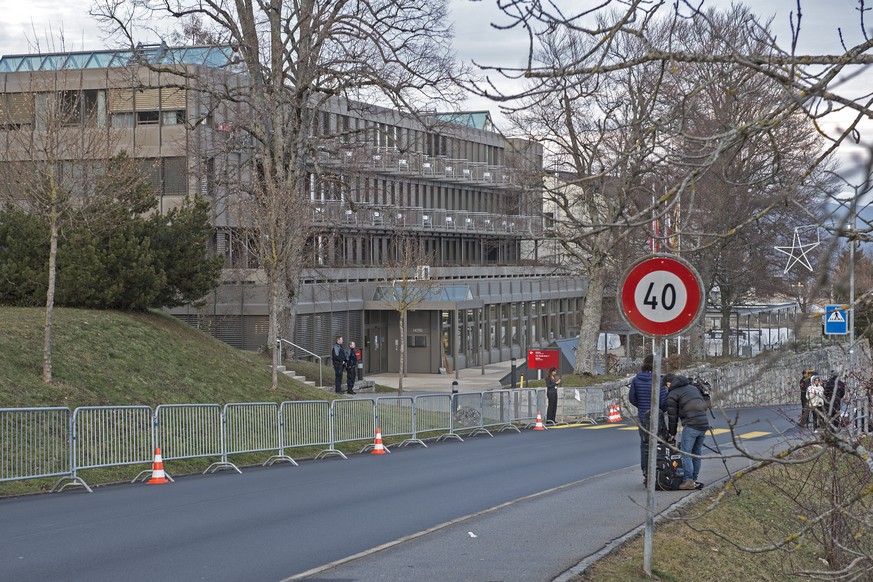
669 473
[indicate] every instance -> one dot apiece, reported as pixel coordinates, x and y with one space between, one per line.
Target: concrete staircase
365 386
293 375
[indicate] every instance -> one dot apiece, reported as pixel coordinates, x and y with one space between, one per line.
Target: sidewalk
469 379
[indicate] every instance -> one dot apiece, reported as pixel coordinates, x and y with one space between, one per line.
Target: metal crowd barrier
351 420
395 416
304 423
433 413
253 428
585 405
109 436
497 410
186 431
467 414
34 443
524 405
55 442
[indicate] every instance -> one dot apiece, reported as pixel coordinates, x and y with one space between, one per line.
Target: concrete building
449 181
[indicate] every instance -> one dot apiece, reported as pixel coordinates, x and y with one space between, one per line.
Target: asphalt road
540 502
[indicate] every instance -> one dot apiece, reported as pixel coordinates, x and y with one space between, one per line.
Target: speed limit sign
661 295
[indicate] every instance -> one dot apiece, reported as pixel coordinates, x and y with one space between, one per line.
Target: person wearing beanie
640 395
685 402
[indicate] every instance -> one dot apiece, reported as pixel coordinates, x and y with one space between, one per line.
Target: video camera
704 388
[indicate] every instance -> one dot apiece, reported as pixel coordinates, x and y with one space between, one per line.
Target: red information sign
543 359
661 295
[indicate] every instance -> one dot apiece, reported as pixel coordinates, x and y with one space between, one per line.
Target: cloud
47 26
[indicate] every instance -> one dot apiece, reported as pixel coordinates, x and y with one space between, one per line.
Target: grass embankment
706 540
117 358
111 358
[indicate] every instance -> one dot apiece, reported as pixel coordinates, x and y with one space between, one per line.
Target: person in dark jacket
552 382
338 358
351 369
640 395
834 392
685 402
804 407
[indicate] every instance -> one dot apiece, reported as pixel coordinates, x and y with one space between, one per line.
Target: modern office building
449 181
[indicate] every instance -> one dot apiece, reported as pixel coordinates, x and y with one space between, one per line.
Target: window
175 175
548 220
69 107
147 118
173 117
122 120
16 110
416 341
167 175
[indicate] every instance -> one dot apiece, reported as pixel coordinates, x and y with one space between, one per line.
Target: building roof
209 56
474 119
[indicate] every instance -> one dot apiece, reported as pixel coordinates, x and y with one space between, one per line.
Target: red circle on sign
661 295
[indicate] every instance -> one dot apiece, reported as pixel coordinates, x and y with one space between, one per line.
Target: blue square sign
835 320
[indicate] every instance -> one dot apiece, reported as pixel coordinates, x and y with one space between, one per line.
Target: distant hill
115 358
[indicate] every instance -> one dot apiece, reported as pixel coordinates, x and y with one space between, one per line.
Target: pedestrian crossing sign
836 322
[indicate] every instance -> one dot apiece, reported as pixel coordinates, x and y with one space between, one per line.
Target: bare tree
295 60
733 103
406 286
59 159
709 158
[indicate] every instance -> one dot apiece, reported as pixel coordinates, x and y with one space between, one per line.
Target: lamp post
852 294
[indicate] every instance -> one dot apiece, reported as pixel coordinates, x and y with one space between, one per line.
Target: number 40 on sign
661 295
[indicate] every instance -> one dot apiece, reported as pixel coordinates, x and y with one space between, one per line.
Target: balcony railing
364 156
332 213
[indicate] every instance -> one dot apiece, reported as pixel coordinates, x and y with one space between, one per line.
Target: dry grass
704 542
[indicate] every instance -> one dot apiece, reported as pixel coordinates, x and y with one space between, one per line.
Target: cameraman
685 402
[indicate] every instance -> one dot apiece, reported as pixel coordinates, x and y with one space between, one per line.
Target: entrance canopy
424 297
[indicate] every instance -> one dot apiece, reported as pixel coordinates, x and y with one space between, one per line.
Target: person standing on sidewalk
351 369
685 402
552 382
640 395
804 406
338 358
815 400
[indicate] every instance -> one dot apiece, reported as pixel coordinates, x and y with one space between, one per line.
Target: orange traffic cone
539 424
158 475
614 413
378 448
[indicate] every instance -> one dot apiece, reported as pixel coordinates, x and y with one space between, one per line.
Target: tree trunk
697 340
274 328
50 294
402 351
591 316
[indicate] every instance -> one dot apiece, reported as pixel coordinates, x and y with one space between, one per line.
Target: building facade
465 194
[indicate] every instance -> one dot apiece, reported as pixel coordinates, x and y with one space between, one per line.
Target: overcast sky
27 23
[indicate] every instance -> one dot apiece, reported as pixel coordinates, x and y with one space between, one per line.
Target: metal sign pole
661 296
654 417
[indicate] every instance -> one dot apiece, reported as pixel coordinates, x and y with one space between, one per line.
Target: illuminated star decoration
797 252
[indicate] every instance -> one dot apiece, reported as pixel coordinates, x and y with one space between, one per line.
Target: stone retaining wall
768 379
